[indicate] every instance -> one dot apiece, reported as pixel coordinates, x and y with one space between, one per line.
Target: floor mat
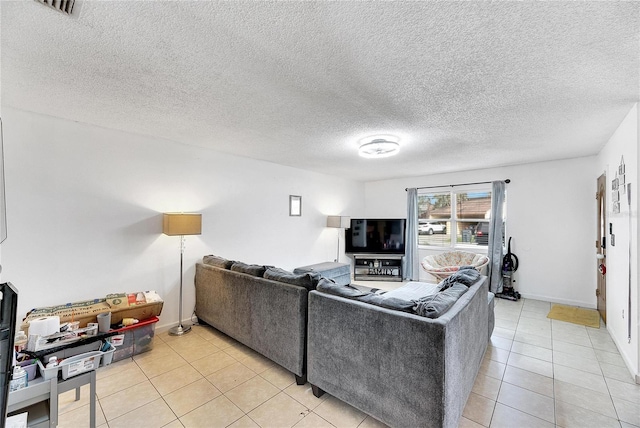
572 314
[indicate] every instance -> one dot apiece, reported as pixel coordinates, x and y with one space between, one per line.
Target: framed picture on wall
295 205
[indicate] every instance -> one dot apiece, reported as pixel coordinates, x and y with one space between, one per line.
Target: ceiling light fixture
379 146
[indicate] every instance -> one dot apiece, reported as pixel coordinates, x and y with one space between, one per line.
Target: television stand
377 267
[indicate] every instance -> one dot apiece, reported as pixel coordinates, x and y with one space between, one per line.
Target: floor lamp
181 224
338 222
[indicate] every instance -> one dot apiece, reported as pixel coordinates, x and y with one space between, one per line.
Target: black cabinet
382 267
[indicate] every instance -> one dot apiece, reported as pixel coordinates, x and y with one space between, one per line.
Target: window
457 218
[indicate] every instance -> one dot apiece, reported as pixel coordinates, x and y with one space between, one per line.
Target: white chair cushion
443 265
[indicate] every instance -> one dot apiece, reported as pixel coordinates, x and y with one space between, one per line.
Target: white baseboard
630 367
581 304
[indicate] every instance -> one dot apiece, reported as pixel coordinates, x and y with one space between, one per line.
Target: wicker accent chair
443 265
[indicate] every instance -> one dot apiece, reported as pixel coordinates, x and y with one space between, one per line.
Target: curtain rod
456 185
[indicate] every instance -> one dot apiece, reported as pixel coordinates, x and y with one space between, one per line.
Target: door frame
601 246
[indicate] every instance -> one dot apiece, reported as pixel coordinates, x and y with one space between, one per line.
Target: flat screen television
375 236
8 314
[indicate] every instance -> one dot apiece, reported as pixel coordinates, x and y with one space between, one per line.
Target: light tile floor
536 373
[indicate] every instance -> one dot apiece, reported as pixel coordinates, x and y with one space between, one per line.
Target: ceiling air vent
68 7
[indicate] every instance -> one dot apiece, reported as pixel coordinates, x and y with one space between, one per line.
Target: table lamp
181 224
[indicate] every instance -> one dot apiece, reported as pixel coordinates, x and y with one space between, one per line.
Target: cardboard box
139 312
84 312
117 301
87 311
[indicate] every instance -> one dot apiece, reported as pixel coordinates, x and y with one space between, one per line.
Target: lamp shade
337 221
181 224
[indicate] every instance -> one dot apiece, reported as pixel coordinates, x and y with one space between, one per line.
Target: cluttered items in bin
134 339
69 335
64 340
63 336
66 360
71 366
129 321
18 379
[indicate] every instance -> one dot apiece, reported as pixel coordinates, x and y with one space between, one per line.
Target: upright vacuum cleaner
509 266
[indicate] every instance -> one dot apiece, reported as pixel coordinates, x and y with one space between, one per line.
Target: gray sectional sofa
368 349
267 315
403 369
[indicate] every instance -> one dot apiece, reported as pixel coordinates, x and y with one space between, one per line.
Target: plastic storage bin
79 364
30 367
107 356
49 373
137 338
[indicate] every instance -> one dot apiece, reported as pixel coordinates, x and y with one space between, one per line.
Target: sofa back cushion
217 261
253 270
329 286
308 280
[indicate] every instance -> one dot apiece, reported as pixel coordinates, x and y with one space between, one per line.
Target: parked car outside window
431 228
482 233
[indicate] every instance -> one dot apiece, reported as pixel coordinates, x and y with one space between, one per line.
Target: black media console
377 267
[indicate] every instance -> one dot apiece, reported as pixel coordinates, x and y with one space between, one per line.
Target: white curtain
495 251
411 261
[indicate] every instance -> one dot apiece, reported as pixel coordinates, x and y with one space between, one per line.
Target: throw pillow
329 286
254 270
217 261
308 280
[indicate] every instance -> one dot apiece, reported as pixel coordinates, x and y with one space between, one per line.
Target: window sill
471 248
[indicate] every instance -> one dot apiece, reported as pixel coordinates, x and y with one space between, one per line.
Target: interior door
601 248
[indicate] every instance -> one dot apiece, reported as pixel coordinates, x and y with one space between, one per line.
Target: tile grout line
553 384
162 396
553 368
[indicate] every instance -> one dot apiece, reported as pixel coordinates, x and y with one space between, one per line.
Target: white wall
84 212
624 142
551 213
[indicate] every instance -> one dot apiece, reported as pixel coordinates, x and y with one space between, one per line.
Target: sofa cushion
339 272
413 290
217 261
437 304
308 280
253 270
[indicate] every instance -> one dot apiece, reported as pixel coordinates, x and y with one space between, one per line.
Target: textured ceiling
465 85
